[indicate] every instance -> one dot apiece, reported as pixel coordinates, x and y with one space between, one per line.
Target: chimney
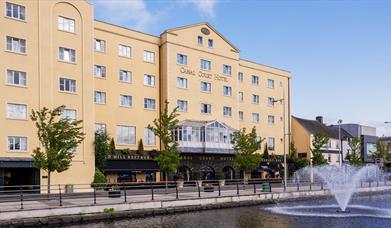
319 119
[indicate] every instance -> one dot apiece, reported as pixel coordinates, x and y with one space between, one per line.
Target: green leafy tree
99 179
296 162
140 147
102 148
58 137
245 146
112 146
381 152
318 142
265 154
354 157
169 157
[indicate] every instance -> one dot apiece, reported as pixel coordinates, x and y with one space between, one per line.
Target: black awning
130 165
12 162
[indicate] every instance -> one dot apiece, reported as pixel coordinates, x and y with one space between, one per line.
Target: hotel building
117 79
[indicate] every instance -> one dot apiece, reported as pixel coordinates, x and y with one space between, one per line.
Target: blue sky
339 52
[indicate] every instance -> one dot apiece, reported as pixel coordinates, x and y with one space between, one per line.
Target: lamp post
282 101
340 143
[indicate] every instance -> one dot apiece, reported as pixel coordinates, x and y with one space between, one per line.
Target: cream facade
117 79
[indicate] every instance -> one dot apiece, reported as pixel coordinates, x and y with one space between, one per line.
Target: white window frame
270 101
271 143
68 85
20 11
254 80
227 111
100 71
149 137
208 108
210 43
149 102
240 77
149 56
12 74
208 88
181 59
69 114
255 99
200 40
124 51
123 98
149 80
101 44
271 119
127 74
100 127
255 120
14 139
184 107
16 45
241 96
131 133
66 24
270 83
71 56
205 65
181 83
227 91
241 115
18 107
227 69
102 96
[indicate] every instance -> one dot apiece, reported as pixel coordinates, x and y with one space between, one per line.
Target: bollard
199 191
21 197
176 191
321 185
152 191
255 189
285 184
219 190
94 195
126 200
270 187
237 189
59 190
298 187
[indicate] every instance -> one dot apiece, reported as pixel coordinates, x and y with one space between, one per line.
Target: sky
339 52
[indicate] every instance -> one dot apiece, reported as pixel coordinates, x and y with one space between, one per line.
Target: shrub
99 179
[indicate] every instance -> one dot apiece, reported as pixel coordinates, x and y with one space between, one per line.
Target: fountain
342 182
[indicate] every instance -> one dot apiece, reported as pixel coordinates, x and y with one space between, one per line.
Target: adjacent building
116 79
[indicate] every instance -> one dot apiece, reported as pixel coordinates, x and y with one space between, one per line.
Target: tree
265 154
318 142
140 147
380 153
59 137
245 146
169 157
354 156
296 161
112 146
102 148
99 179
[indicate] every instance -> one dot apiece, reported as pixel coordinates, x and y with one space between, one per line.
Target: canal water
377 213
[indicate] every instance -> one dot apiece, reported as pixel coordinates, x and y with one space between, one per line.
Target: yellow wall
301 138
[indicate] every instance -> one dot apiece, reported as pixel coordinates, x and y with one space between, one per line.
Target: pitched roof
344 133
313 127
208 25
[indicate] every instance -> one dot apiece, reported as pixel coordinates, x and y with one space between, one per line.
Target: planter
114 193
221 183
180 184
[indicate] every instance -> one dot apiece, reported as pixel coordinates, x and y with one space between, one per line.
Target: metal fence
13 198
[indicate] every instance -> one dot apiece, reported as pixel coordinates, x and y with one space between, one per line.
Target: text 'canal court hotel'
116 79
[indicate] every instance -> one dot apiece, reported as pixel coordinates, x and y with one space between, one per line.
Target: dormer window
199 40
210 43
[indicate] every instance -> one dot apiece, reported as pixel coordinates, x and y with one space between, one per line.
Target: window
17 143
270 84
206 65
270 143
227 91
99 45
16 44
270 119
241 115
100 127
149 103
181 59
181 82
67 85
210 43
255 99
126 134
240 76
270 101
68 55
16 11
149 80
227 70
182 105
254 80
100 97
125 76
68 114
16 111
124 51
66 24
206 108
100 71
227 111
149 56
149 137
206 87
255 117
125 101
199 39
16 78
241 96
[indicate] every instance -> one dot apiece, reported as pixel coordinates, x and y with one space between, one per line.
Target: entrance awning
130 165
16 162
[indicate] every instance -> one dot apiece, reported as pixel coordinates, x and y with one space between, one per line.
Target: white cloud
132 13
206 7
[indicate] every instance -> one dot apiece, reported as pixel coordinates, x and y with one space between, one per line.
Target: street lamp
282 101
340 142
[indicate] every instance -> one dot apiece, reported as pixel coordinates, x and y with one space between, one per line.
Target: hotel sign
202 74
